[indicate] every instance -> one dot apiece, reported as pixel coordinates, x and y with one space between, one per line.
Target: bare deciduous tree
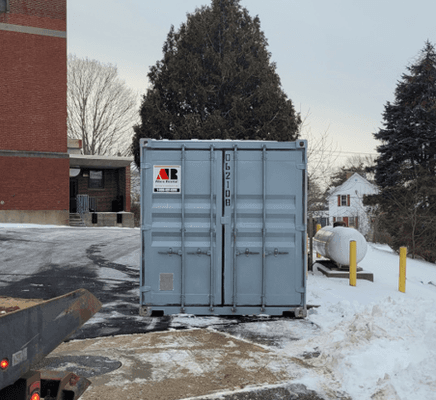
102 109
321 156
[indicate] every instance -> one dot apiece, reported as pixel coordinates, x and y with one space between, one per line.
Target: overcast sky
338 60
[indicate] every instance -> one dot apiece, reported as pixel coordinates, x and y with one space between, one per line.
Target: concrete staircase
76 220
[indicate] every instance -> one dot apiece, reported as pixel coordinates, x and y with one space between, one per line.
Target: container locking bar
183 229
212 269
235 175
263 224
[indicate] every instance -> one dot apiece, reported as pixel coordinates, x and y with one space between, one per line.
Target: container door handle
247 252
275 253
170 252
199 252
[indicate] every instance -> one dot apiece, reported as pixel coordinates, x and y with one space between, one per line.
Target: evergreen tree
405 167
409 134
216 81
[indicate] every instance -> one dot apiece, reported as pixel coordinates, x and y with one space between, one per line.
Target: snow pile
388 347
374 342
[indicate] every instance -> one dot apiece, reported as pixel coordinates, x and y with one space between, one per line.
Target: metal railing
85 204
82 205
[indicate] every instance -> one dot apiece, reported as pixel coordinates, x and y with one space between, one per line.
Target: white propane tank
334 243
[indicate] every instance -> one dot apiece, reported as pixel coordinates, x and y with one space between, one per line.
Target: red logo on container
166 174
163 174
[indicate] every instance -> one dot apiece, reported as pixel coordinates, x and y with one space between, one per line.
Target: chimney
74 146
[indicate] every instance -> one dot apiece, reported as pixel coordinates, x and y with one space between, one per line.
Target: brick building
39 179
34 163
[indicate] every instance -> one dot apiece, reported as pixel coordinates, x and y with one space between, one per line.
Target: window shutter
334 219
348 200
356 222
339 200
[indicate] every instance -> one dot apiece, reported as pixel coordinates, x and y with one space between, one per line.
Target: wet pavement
46 263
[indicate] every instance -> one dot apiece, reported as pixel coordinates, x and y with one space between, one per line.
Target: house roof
101 162
352 177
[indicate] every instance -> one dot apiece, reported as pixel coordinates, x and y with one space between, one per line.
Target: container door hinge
146 227
145 289
301 228
301 166
300 290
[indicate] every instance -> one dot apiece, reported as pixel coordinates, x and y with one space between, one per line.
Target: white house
346 203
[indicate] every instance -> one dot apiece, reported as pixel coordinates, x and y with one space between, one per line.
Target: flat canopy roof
101 162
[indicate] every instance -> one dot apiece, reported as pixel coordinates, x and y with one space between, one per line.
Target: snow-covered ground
378 342
367 342
372 342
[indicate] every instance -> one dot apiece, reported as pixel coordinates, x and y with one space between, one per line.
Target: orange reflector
4 363
35 397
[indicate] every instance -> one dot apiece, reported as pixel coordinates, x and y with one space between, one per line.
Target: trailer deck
31 329
10 304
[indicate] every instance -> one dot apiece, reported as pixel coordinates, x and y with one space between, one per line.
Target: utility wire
345 152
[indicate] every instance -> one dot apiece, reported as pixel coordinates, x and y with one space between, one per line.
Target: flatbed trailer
29 331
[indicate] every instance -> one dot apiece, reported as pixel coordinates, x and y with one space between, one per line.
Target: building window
96 179
4 6
344 200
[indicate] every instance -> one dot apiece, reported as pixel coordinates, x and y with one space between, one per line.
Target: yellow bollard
402 280
318 227
353 264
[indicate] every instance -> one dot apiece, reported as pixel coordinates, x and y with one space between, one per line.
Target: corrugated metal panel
223 226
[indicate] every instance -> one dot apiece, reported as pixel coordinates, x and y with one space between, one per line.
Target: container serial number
227 191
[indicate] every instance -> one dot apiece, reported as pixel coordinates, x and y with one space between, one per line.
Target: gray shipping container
223 227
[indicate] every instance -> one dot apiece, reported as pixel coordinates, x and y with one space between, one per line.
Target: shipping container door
181 217
264 241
